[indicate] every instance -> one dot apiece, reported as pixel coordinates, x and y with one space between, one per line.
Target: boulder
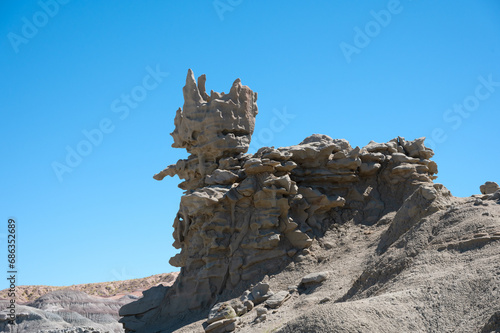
221 326
489 188
314 278
261 292
221 311
277 299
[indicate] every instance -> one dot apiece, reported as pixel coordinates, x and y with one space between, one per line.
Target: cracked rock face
243 216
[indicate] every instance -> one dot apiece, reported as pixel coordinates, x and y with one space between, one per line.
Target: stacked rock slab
243 216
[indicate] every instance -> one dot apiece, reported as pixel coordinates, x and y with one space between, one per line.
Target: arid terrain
319 236
28 294
441 275
315 237
91 307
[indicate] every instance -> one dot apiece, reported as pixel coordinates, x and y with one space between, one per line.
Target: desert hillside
28 294
84 308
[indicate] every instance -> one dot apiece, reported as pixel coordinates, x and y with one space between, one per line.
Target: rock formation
489 188
28 294
84 308
66 311
244 216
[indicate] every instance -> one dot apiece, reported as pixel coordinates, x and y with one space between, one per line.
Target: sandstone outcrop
243 216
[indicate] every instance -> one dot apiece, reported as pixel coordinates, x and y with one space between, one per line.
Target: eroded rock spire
243 216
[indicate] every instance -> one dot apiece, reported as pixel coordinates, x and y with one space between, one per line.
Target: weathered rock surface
221 326
277 299
220 311
314 278
489 188
151 298
371 215
260 293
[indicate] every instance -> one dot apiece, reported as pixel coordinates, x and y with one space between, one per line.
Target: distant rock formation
244 216
85 308
67 310
27 294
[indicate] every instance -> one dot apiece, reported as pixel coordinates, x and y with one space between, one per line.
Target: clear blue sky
349 69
